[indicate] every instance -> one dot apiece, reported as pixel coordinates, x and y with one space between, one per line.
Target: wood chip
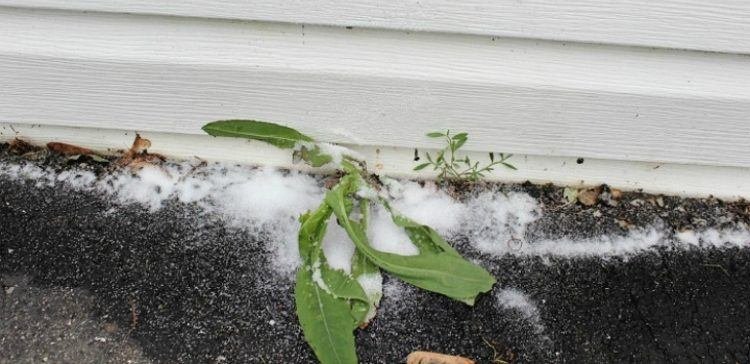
426 357
615 193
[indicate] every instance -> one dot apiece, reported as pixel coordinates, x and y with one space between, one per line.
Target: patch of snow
317 277
520 302
367 192
41 176
495 219
687 237
268 202
388 237
634 242
264 201
77 179
338 152
428 205
397 296
150 186
337 247
715 238
372 284
395 289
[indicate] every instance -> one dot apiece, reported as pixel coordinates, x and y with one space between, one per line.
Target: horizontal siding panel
721 26
372 87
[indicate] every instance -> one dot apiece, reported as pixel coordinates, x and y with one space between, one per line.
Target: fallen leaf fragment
140 145
426 357
68 149
138 156
570 194
589 196
18 146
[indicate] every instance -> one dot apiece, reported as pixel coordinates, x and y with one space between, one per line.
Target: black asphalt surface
87 281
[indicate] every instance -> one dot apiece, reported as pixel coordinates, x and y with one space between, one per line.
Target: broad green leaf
278 135
325 320
435 134
330 303
438 270
342 286
312 231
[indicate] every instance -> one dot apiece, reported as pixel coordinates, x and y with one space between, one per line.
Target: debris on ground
426 357
75 153
68 149
585 196
19 147
138 156
589 196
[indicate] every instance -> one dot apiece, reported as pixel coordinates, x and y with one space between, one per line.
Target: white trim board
720 25
375 87
728 183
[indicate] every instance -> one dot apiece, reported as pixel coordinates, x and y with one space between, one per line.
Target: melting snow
386 236
518 301
427 205
268 201
603 246
716 238
497 218
337 246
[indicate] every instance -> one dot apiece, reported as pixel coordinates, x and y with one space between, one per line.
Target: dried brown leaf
68 149
138 156
140 145
589 196
18 146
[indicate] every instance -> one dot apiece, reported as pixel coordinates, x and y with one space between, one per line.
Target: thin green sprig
450 166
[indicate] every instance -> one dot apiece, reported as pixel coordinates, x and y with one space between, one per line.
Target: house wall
631 82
